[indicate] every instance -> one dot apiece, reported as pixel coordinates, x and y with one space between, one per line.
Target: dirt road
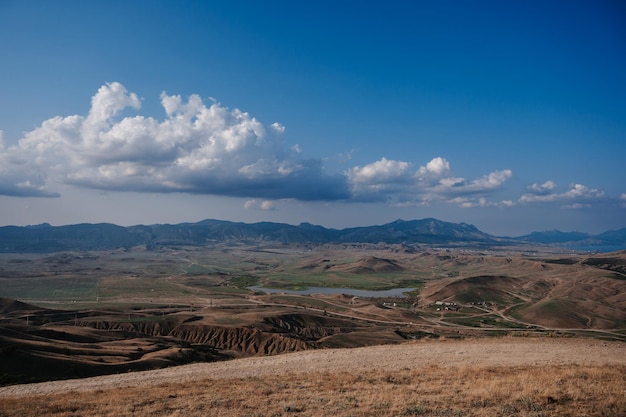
509 351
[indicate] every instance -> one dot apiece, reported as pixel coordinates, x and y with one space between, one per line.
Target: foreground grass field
561 390
508 376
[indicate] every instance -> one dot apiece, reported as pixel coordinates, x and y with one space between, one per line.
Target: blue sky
508 115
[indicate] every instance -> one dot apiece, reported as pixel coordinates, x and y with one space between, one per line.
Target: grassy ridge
431 391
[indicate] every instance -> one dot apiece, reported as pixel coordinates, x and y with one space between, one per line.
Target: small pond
395 292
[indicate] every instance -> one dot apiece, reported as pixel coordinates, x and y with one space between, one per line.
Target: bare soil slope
573 292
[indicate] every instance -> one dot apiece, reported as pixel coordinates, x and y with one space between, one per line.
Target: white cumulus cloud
542 189
394 181
577 196
197 148
265 205
436 166
379 172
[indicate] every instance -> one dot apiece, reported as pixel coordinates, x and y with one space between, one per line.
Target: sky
508 115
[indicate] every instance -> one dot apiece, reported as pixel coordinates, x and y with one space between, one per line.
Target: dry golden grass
570 390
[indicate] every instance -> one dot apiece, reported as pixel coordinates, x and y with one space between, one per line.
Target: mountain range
46 238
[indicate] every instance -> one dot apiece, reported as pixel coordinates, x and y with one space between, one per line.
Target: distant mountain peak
38 226
45 238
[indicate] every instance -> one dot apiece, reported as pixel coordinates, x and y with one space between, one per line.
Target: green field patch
514 310
50 288
561 261
195 269
371 282
208 282
243 281
483 321
213 285
307 302
553 306
139 287
617 276
417 334
164 269
482 294
230 290
559 309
